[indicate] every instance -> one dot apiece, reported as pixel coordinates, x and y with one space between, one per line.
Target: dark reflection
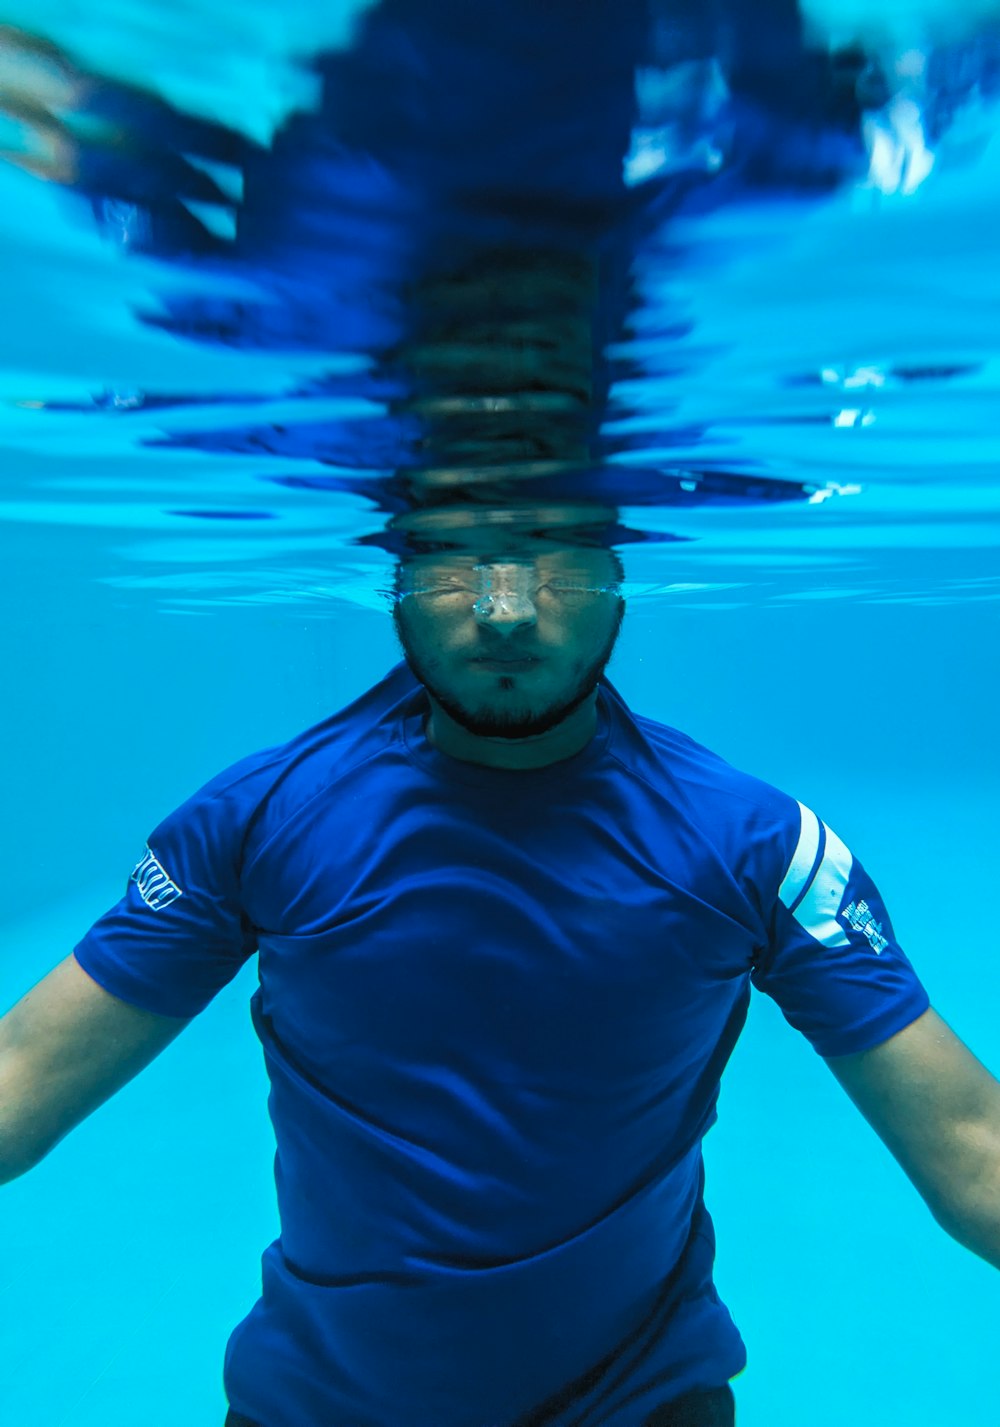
464 210
479 211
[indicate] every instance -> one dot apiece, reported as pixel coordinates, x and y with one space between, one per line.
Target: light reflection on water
257 315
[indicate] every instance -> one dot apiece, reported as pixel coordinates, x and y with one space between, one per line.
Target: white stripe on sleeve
803 858
817 912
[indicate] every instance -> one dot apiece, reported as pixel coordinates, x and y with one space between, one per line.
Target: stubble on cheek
418 647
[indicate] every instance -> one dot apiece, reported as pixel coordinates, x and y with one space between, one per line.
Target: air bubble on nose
504 603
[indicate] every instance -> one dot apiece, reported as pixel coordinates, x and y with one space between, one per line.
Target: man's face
509 648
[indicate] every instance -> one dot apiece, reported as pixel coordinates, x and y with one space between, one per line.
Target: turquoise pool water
177 600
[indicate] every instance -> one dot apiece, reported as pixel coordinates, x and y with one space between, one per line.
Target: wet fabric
494 1009
715 1407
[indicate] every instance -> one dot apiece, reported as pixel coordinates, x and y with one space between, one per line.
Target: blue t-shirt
495 1008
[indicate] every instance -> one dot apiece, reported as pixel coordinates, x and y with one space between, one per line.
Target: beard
527 720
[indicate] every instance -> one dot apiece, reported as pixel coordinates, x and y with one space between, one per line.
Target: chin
512 729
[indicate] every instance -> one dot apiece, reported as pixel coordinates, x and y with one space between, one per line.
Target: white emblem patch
862 920
155 887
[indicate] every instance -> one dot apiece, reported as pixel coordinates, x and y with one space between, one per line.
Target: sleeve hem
133 993
874 1032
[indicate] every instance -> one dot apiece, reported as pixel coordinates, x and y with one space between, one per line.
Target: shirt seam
302 807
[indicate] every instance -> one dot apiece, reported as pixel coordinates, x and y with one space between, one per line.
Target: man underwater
507 931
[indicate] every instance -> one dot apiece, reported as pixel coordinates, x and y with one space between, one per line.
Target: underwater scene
500 515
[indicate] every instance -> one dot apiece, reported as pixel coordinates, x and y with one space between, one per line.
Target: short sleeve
179 934
833 964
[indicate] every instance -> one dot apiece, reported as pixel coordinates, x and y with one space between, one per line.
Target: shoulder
698 774
259 792
753 824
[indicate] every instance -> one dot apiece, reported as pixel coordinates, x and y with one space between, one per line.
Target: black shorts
708 1407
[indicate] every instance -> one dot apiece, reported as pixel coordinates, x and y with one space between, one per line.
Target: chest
535 937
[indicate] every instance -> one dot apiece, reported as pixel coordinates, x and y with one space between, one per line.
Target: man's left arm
937 1109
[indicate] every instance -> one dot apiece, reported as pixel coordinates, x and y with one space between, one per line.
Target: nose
507 599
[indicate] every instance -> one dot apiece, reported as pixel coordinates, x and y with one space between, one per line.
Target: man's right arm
65 1048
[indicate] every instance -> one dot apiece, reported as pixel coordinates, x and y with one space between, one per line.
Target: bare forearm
979 1236
971 1212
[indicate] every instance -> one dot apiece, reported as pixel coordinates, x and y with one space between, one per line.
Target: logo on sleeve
861 918
155 887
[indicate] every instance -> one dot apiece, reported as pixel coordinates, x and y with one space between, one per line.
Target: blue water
197 427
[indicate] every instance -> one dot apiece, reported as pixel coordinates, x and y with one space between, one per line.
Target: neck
556 744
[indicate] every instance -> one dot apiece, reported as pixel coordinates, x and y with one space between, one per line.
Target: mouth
506 666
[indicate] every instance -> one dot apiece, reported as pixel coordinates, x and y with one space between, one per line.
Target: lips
509 664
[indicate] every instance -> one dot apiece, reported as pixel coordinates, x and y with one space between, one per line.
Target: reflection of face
509 649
